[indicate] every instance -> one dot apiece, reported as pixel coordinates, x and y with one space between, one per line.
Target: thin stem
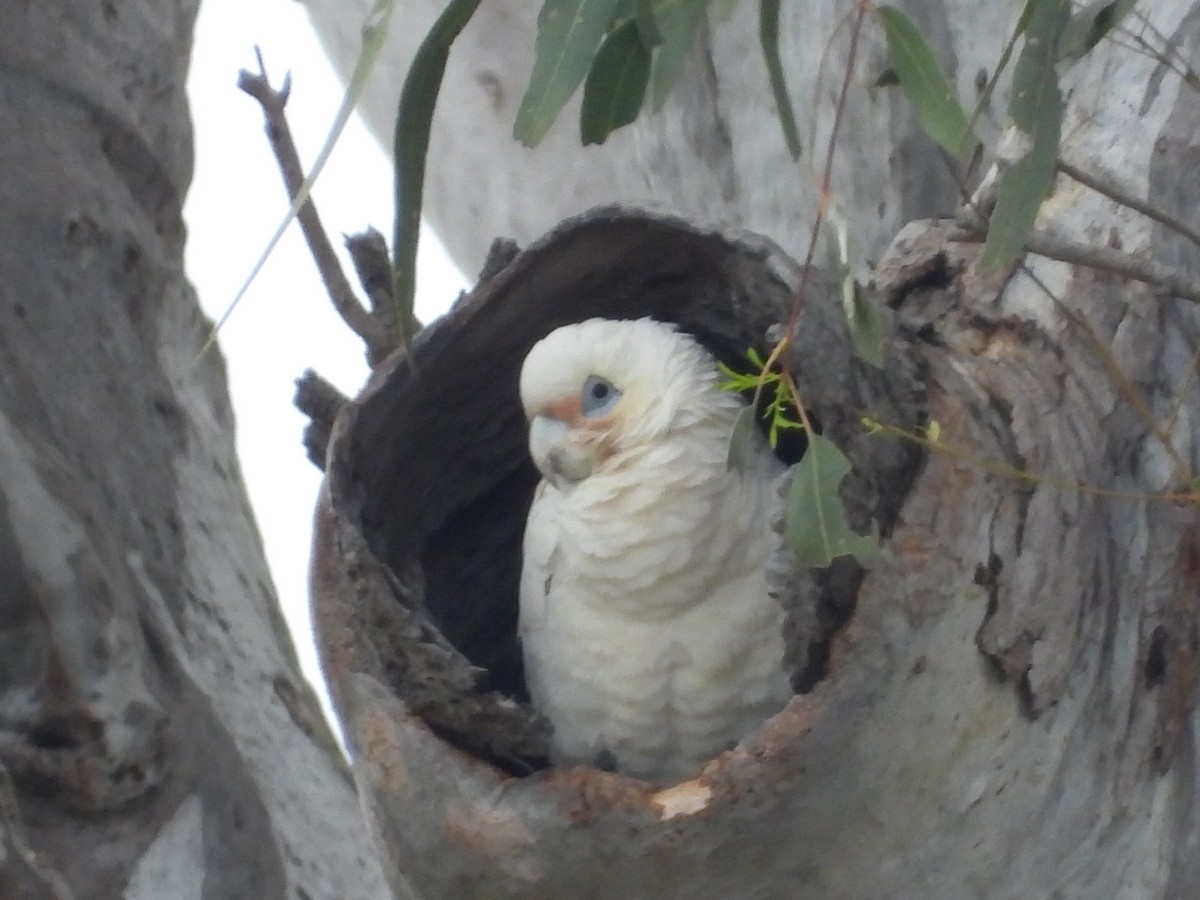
990 87
1169 57
1115 192
1128 389
1168 280
341 294
826 180
1187 498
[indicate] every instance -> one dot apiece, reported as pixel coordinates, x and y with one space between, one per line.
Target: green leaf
768 34
937 108
1035 108
413 121
569 31
734 381
1089 26
678 23
742 450
1026 14
643 14
374 30
815 519
616 84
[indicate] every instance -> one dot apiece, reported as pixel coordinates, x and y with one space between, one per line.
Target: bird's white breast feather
647 629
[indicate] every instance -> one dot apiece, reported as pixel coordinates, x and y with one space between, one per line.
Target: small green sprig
779 410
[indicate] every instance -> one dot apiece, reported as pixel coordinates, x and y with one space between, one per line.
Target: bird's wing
540 547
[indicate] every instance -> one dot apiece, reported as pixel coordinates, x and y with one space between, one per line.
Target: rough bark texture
1008 712
156 738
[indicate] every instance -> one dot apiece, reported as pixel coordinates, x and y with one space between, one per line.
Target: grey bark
156 737
1008 712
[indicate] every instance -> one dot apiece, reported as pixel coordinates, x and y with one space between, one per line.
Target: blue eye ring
598 396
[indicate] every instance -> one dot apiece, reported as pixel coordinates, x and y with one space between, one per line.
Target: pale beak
558 452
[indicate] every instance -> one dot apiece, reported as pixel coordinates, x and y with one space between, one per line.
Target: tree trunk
1008 712
156 737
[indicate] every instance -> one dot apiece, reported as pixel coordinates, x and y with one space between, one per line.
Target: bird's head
603 388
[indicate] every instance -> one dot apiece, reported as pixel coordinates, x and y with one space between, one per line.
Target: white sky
285 323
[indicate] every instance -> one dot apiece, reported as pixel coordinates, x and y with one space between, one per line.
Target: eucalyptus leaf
743 443
616 84
1088 27
815 518
938 111
1027 12
1035 110
569 31
768 34
413 122
678 23
643 14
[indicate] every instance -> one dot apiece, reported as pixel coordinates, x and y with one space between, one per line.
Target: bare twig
777 353
1168 280
989 88
1129 391
1115 192
367 326
1169 57
826 182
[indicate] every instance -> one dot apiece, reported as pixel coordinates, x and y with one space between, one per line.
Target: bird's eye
598 396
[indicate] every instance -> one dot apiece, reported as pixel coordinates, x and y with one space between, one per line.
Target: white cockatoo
650 641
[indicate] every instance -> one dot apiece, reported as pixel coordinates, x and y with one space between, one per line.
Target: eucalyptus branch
1115 192
361 321
1168 280
1169 57
935 444
777 356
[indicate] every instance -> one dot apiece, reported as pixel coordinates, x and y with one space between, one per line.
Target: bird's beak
559 452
